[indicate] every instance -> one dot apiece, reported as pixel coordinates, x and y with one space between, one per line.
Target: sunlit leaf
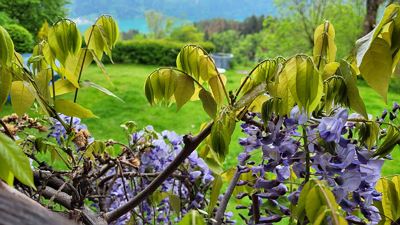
324 50
87 83
64 39
184 90
209 104
391 140
6 48
74 65
221 132
14 159
22 96
70 108
5 85
192 218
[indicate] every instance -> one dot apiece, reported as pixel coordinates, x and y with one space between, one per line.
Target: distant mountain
192 10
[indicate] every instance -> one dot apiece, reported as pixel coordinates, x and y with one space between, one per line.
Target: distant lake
124 24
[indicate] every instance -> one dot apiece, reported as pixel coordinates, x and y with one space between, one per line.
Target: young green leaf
215 190
222 131
390 199
70 108
209 104
6 48
391 140
304 81
22 96
5 86
62 86
87 83
64 39
195 61
109 31
74 65
217 89
192 218
14 159
324 50
184 90
354 99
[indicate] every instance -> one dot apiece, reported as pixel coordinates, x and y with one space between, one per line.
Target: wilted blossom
59 132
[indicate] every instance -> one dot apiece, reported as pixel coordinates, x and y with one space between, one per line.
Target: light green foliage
221 132
390 204
292 31
378 51
159 25
187 33
31 14
14 162
225 41
245 51
23 40
193 217
317 202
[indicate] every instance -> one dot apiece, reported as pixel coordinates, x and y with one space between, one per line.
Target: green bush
23 40
151 52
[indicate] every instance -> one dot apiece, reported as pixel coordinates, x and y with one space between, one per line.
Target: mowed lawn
128 84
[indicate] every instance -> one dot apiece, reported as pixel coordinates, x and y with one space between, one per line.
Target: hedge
23 40
151 52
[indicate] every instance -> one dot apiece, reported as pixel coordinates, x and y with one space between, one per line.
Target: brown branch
191 144
6 130
59 197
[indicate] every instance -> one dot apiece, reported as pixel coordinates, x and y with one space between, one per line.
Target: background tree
187 33
225 41
372 7
158 24
31 14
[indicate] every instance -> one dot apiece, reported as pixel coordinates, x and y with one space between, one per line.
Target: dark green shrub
23 40
151 52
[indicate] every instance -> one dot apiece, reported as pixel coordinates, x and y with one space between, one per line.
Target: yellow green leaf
22 96
70 108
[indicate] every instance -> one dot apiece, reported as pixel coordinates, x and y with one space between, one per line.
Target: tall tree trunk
370 17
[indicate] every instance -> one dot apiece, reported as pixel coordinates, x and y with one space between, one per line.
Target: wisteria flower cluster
80 135
296 149
186 188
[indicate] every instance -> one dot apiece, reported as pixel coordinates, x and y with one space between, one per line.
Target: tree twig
191 144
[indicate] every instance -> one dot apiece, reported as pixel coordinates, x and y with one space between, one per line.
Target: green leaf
62 86
196 62
215 190
376 66
13 158
42 81
390 199
6 48
175 202
391 140
265 71
64 39
87 83
5 85
74 65
101 66
304 81
354 99
22 96
110 32
217 89
221 132
301 204
192 218
70 108
97 42
95 148
184 90
209 104
324 50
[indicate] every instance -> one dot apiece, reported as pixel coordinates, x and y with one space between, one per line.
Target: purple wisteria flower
330 128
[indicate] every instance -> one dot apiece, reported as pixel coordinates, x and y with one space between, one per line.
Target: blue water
125 25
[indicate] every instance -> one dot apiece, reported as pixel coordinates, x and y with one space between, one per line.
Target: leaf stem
80 72
307 151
